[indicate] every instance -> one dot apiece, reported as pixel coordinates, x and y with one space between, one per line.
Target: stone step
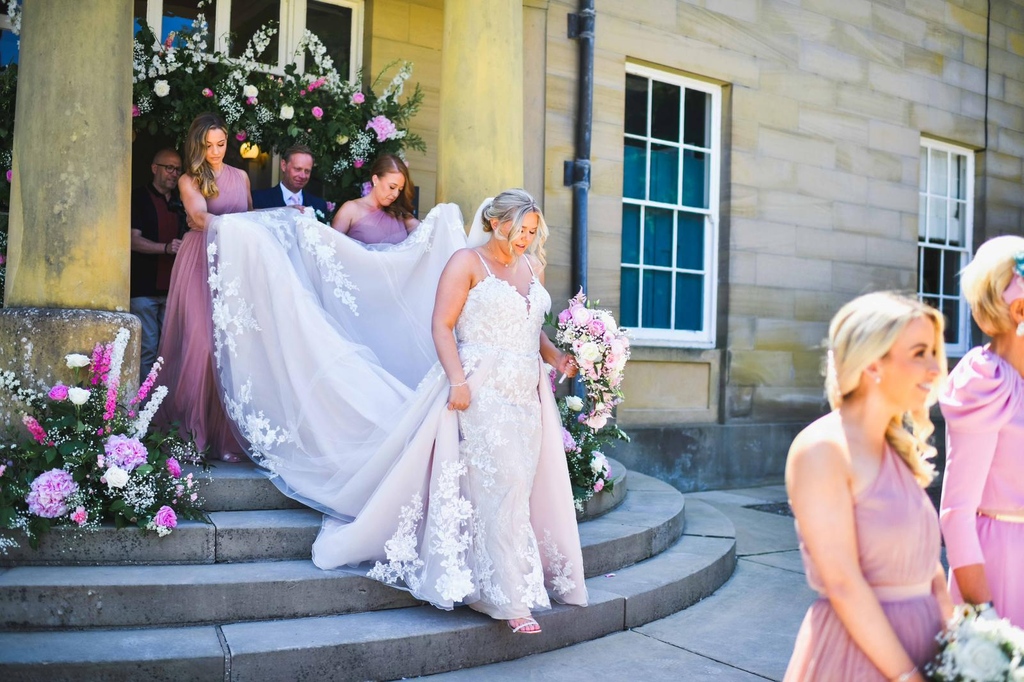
638 529
380 645
32 597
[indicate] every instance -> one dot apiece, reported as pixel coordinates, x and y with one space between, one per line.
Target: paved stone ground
744 631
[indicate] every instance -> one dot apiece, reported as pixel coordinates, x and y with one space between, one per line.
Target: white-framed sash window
945 231
670 206
338 24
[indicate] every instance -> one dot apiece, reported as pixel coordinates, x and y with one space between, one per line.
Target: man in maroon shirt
157 225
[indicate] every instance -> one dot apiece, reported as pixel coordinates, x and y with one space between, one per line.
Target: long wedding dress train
327 367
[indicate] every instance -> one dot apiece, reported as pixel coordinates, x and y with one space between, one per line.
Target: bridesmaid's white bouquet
976 649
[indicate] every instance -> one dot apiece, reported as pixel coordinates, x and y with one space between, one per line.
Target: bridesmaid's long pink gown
186 343
898 545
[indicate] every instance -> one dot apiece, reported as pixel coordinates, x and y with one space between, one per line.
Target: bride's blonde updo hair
864 331
985 280
513 205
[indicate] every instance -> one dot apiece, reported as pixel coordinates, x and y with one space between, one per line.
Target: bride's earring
1020 329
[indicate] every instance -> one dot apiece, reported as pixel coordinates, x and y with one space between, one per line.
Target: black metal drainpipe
577 172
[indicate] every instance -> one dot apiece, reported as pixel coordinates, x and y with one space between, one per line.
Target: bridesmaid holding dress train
869 535
384 215
209 187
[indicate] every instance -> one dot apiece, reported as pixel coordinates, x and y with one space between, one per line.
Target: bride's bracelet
457 385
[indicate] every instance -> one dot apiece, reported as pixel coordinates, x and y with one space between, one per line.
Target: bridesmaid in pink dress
384 215
208 187
869 535
982 509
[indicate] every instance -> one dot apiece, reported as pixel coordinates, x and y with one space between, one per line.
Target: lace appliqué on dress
560 568
226 324
328 264
404 561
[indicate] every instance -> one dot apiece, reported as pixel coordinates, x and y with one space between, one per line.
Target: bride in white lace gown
459 494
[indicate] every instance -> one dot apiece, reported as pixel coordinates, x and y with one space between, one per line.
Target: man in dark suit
296 167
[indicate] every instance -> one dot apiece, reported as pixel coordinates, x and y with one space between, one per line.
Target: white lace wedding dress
327 368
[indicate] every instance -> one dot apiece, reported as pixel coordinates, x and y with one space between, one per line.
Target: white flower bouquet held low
85 458
975 648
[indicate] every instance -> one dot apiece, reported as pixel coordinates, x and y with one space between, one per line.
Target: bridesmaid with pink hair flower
982 509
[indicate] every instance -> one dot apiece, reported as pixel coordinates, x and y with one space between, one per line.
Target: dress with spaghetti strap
898 548
186 343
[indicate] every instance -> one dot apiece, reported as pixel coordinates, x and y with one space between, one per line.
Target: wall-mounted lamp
249 150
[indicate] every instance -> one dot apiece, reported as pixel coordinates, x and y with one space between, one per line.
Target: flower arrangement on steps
601 350
345 125
90 458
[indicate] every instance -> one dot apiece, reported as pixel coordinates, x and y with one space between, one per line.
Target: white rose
77 360
250 91
78 396
161 88
116 477
980 659
598 463
574 403
581 315
590 352
287 111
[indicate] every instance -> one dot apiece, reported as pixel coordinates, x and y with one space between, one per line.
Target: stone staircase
239 599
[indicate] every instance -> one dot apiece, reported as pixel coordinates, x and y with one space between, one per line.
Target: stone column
69 223
480 138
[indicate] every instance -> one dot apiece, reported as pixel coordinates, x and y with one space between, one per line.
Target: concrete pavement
744 631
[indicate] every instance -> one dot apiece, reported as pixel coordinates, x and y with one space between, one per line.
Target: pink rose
358 98
358 163
250 100
10 174
599 486
173 467
318 113
135 112
241 135
581 315
383 126
302 93
207 92
79 516
596 327
564 316
166 517
59 392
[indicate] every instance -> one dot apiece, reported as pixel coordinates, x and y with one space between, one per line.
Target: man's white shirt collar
286 193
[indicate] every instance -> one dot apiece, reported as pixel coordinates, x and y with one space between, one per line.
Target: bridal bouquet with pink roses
86 456
601 350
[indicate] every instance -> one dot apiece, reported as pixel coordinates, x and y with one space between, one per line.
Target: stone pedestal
480 137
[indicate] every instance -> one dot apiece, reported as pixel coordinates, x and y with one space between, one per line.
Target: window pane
139 12
636 105
930 265
695 119
937 220
630 288
630 234
246 19
665 111
664 173
634 171
689 302
922 219
951 309
333 25
950 273
658 237
956 222
690 243
959 176
695 178
8 48
938 173
179 15
657 299
922 175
